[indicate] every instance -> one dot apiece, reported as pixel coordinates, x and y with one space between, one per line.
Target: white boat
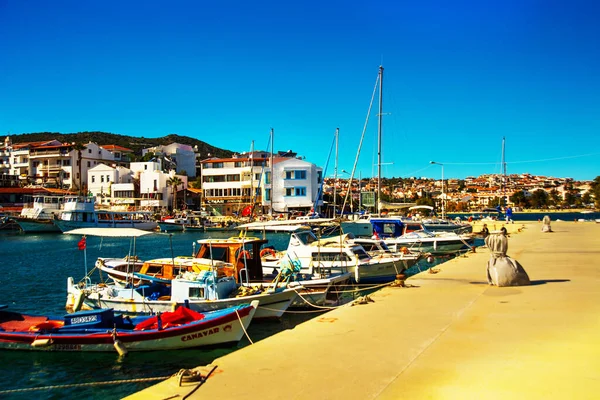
80 212
246 255
399 234
212 286
38 216
335 255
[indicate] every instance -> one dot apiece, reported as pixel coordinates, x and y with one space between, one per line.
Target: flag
81 244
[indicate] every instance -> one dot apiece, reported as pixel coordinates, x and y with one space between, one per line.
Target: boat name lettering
67 347
83 320
199 334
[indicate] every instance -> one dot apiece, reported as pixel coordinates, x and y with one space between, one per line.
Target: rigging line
527 161
362 137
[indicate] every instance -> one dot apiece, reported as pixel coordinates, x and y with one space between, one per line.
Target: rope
242 324
74 385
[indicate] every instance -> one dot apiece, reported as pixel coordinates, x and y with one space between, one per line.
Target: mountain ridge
131 142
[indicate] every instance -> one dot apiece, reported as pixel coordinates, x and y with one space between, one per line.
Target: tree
518 198
174 183
555 197
539 199
596 191
79 147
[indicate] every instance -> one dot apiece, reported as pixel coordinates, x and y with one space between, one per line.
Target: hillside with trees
134 143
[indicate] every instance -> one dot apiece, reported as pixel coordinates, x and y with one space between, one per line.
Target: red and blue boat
103 330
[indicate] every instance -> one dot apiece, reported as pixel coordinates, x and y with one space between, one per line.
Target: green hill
134 143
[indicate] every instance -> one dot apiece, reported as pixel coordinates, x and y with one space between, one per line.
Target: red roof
116 147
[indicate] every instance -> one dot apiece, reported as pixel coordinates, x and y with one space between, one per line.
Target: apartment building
230 185
177 156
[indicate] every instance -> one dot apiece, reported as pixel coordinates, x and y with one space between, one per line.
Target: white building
56 164
155 190
111 185
230 185
295 185
181 155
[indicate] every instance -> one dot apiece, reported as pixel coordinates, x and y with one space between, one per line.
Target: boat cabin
242 252
386 228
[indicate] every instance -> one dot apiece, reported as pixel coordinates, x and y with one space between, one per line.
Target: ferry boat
38 216
80 212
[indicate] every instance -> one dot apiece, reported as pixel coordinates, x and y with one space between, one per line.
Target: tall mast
379 132
272 150
335 169
504 202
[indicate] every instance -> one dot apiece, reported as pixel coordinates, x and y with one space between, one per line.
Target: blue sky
459 76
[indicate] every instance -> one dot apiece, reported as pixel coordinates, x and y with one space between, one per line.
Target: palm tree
174 182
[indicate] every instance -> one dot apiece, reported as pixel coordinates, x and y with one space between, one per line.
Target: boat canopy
421 208
109 232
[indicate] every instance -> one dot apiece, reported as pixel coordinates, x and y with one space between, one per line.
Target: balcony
48 153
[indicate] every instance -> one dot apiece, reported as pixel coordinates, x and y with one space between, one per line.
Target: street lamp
443 196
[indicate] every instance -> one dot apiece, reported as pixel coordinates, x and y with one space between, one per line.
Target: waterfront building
177 156
155 192
231 185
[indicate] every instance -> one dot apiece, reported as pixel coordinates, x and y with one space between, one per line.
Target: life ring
268 251
471 219
244 254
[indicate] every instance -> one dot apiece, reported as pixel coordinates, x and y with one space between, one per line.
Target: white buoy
430 259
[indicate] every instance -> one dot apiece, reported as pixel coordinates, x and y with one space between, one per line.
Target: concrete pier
448 335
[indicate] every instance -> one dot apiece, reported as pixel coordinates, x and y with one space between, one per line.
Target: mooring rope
74 385
242 324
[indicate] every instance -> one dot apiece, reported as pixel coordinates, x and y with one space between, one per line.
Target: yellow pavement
449 335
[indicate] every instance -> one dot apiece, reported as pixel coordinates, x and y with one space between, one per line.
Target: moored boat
80 212
102 330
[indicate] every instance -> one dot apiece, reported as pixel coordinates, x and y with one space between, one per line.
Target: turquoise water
33 277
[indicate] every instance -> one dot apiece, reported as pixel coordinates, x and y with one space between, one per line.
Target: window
268 177
257 176
268 194
289 191
89 164
217 165
295 174
90 151
107 178
319 176
237 164
101 178
93 179
66 162
300 191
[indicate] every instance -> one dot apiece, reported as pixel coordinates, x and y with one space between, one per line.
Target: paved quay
449 335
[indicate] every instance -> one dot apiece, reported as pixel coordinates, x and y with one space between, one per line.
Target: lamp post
443 195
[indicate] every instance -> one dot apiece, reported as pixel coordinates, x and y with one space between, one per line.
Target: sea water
33 279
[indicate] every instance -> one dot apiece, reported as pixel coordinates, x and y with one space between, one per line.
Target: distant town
177 176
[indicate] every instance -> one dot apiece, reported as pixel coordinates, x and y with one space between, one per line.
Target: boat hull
29 225
227 326
271 305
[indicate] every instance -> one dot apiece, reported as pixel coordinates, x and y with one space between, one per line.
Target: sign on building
367 199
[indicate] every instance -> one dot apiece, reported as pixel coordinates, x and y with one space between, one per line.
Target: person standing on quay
508 213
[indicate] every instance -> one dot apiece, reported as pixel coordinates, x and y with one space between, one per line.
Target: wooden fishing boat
103 330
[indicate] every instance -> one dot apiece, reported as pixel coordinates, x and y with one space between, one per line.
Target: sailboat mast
379 132
335 171
272 150
504 202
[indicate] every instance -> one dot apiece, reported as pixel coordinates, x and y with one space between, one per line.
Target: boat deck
449 335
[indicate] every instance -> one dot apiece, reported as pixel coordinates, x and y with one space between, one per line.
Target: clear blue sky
459 76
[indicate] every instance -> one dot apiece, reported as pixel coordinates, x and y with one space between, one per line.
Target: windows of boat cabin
361 253
196 293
